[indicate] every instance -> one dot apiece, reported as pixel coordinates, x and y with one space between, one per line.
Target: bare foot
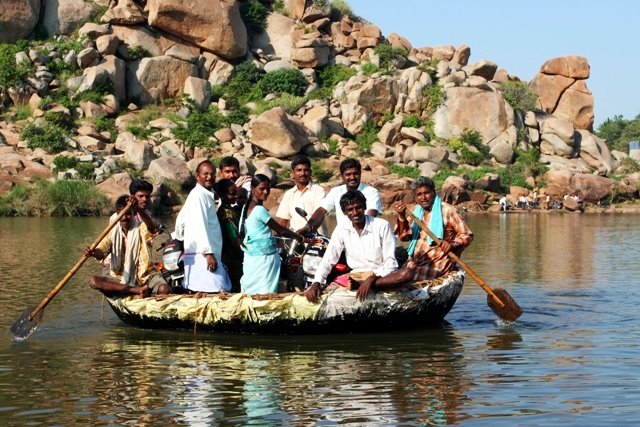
144 291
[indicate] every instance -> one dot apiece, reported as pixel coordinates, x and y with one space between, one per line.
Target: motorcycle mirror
301 212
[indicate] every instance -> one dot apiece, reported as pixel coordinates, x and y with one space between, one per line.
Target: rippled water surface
571 359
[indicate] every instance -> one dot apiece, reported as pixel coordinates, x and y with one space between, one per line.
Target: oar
498 300
30 319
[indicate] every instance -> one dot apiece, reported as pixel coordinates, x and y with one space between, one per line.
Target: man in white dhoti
198 227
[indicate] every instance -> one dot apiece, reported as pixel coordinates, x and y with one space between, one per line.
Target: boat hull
414 306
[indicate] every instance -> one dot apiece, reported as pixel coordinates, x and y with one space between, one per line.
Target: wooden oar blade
22 328
511 310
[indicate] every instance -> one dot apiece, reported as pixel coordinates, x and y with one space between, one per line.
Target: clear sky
520 36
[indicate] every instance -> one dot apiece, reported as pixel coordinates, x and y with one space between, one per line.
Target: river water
571 359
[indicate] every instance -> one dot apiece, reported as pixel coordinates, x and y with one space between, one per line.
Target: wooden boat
416 305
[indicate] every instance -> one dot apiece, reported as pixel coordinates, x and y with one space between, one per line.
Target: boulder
115 186
18 19
576 105
65 16
158 78
485 69
166 169
125 12
377 95
573 66
139 154
199 91
593 187
214 25
275 40
467 108
594 151
549 89
316 120
278 134
141 37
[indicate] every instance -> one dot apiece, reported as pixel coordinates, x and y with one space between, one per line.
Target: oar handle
457 259
77 266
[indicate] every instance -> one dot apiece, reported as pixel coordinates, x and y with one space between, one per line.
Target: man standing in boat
305 194
129 244
426 259
368 242
350 171
198 227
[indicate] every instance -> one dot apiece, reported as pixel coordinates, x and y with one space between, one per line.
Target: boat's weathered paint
339 310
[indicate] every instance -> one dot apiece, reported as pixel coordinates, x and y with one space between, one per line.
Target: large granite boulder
18 19
65 16
278 134
158 78
214 25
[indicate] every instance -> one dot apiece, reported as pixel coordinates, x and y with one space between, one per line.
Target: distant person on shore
350 171
129 244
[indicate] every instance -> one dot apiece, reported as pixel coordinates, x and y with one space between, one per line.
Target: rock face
560 86
214 25
278 134
65 16
158 78
276 38
17 19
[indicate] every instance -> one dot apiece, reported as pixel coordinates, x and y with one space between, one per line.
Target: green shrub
62 163
412 122
318 173
254 15
289 103
97 94
284 80
442 174
49 137
86 170
629 165
60 119
387 55
10 73
369 68
430 67
237 115
106 124
367 137
242 86
138 52
328 78
340 8
473 151
519 95
433 98
200 126
404 171
22 112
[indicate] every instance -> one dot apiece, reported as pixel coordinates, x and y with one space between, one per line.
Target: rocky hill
106 90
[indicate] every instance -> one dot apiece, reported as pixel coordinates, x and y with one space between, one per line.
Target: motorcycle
171 266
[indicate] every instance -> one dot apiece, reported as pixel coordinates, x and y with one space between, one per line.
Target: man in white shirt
369 244
305 194
350 171
197 225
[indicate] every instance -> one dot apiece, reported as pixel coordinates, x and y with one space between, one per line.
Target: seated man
368 242
350 171
426 259
131 269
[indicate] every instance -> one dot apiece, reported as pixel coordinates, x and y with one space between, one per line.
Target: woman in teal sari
261 268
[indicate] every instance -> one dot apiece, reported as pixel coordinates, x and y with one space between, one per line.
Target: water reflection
159 377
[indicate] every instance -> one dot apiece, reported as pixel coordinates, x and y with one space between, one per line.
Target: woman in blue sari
261 267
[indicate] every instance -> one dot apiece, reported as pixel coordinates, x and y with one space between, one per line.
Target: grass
58 198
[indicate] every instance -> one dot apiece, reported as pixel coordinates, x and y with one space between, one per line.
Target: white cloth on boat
373 250
198 278
332 201
126 261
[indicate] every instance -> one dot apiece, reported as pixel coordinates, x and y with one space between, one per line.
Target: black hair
229 161
121 202
300 159
256 180
140 185
205 162
352 197
348 164
423 181
222 187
